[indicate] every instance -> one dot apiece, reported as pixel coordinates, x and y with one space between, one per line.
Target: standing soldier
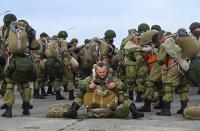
54 66
130 63
40 57
195 33
154 77
172 72
69 74
19 71
142 70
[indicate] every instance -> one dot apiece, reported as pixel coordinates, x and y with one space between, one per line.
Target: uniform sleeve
85 83
118 82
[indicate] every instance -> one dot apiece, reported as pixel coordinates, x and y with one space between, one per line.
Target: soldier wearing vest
54 66
88 84
20 38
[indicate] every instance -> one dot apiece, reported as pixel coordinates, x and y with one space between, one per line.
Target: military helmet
147 37
87 41
143 27
54 37
74 40
23 21
43 34
194 25
156 27
62 34
9 18
110 34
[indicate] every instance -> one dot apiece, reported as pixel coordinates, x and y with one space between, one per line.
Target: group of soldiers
151 62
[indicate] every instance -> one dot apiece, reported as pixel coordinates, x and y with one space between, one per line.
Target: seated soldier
101 81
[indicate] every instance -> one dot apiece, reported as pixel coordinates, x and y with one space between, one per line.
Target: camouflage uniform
130 66
123 98
172 78
39 83
55 64
23 88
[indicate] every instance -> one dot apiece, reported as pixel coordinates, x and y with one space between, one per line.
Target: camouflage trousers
172 79
24 89
130 78
40 74
154 84
68 79
142 73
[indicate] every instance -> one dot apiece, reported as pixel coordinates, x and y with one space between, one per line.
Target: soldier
127 57
142 70
69 74
156 27
172 75
88 85
40 57
154 77
99 50
56 54
109 36
20 69
195 33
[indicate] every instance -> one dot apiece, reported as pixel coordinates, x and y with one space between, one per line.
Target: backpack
57 110
54 68
173 49
17 38
24 70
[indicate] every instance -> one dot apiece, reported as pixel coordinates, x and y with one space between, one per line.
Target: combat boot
3 106
71 95
59 96
130 95
159 105
36 94
139 97
65 88
43 92
49 91
26 108
166 110
30 106
72 112
135 113
183 106
146 107
8 112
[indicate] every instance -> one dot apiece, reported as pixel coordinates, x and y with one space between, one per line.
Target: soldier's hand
111 85
92 86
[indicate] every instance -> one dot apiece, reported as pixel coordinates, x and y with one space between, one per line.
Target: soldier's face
101 72
197 31
44 39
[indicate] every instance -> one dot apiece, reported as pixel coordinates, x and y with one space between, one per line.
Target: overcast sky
88 18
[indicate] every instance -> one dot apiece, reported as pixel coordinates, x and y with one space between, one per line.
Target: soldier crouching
95 92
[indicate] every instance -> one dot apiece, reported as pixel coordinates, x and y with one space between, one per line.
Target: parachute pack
17 38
